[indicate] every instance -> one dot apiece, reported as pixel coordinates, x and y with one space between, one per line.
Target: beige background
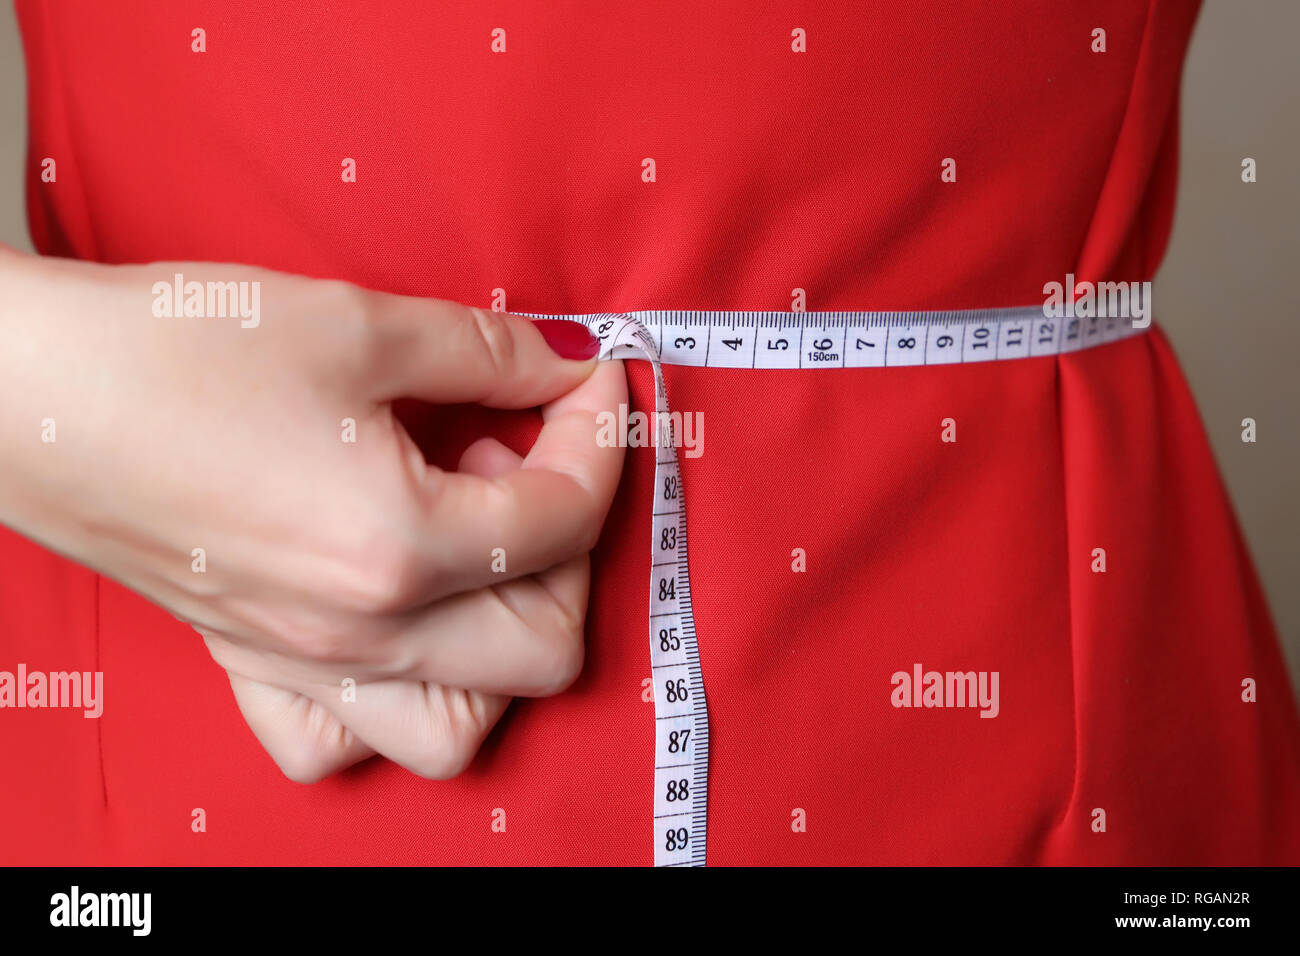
1226 293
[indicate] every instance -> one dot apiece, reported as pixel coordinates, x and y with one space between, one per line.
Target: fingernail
570 340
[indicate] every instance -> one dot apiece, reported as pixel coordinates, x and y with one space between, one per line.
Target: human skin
323 559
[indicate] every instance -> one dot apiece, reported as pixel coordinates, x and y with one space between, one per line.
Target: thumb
449 353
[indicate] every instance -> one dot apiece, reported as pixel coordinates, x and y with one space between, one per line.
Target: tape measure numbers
772 340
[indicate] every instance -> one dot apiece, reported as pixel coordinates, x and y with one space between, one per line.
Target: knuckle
298 631
438 766
446 759
586 522
356 308
562 658
363 337
459 722
589 533
495 338
382 577
301 765
319 645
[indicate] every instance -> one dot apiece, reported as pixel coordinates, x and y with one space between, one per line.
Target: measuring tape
772 340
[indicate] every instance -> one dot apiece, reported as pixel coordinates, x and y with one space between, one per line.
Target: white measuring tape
772 340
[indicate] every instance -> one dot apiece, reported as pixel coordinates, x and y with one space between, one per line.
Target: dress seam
99 724
59 85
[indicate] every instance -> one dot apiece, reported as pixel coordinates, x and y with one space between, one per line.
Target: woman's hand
203 464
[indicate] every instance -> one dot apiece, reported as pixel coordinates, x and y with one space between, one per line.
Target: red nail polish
570 340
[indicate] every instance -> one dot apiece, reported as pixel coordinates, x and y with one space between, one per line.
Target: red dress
774 169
